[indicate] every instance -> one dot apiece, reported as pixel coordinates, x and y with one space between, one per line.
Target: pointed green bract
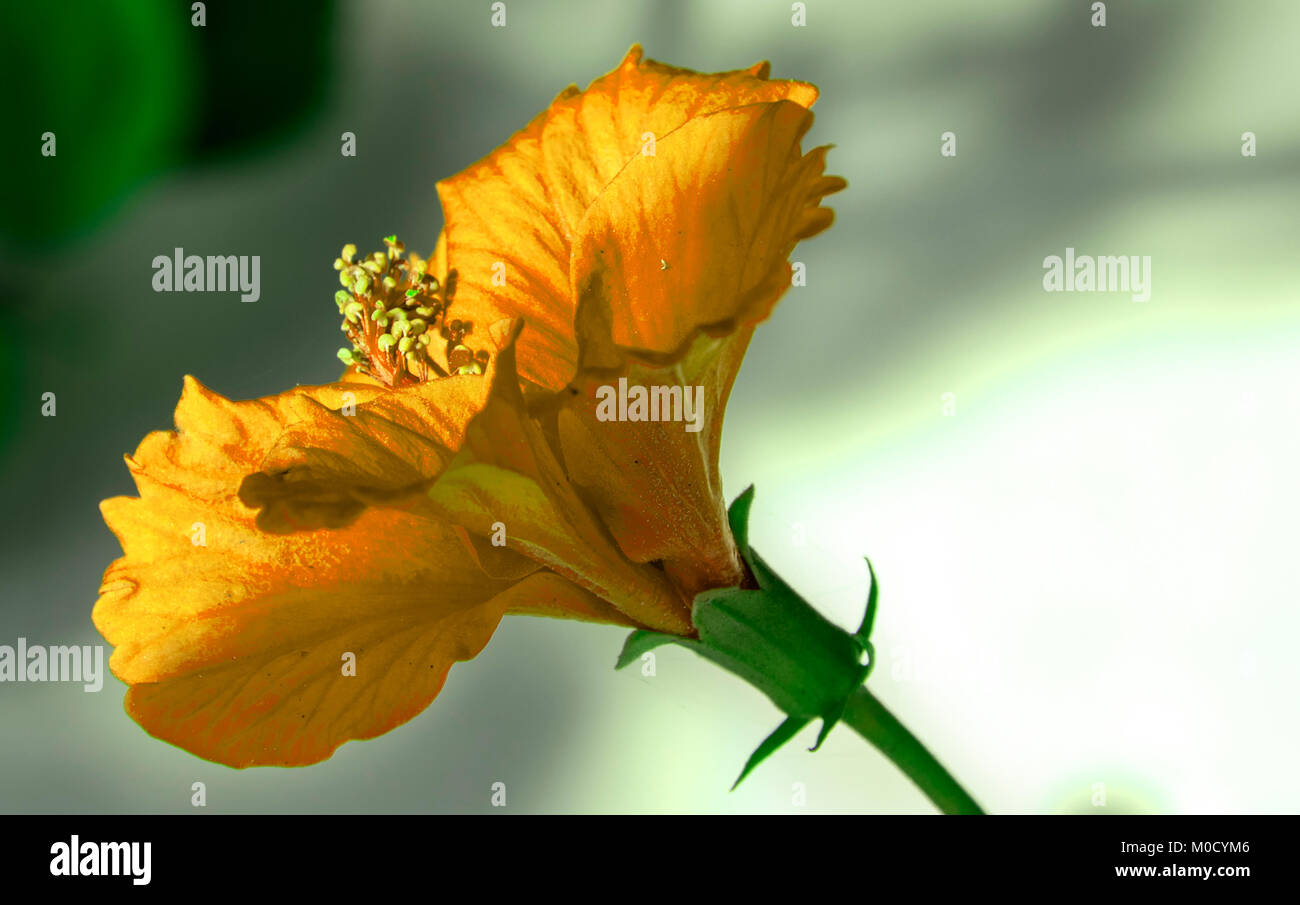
792 726
863 634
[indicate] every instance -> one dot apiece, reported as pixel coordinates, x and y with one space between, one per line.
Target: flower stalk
871 720
768 635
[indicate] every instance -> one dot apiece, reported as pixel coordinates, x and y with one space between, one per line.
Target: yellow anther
393 310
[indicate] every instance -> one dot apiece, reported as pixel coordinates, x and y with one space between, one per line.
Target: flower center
393 313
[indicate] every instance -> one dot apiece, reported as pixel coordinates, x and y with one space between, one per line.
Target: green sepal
792 726
774 640
863 634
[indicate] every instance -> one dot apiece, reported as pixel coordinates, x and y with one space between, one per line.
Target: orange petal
696 238
679 257
589 137
506 477
559 598
326 467
512 217
655 484
234 639
509 256
289 702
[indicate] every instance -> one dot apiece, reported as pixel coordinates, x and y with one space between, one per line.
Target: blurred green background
1088 569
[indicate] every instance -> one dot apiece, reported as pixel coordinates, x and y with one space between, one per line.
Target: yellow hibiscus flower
304 569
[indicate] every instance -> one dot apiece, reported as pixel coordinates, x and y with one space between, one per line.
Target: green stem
809 667
880 727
